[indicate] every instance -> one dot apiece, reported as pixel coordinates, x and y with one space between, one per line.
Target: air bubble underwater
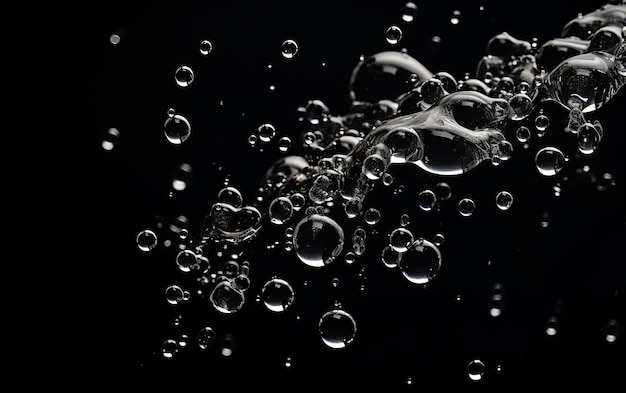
442 126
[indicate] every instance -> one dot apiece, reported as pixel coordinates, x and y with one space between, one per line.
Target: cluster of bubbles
442 125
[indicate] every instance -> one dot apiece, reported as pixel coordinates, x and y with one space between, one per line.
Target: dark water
332 211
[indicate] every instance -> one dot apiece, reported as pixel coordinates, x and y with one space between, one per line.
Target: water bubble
225 298
476 370
588 138
455 18
358 245
252 139
393 35
549 160
552 327
387 179
337 329
520 106
227 345
522 134
186 260
317 240
400 239
280 210
206 47
409 10
466 207
443 191
288 362
181 177
297 200
146 240
183 341
612 331
605 182
205 338
169 348
266 132
231 196
372 216
277 295
542 122
497 301
174 294
426 200
184 76
405 220
504 200
115 39
110 139
421 263
374 166
289 48
438 239
176 128
284 144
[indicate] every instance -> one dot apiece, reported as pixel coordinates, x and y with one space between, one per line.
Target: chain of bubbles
441 124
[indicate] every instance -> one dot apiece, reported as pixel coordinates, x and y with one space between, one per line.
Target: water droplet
549 160
280 210
110 139
400 239
337 329
421 263
184 76
266 132
146 240
522 134
176 128
318 240
393 35
169 348
504 200
206 47
174 294
476 370
225 298
426 200
284 144
372 216
277 295
409 10
205 338
455 18
289 48
466 207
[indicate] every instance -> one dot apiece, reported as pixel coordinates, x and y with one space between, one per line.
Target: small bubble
542 122
504 200
612 331
266 132
387 179
426 200
277 295
252 139
181 177
184 76
289 48
476 370
205 338
393 35
206 47
588 138
552 327
438 239
284 144
176 128
146 240
522 134
372 216
169 348
455 18
350 257
110 138
466 207
400 239
337 329
115 39
409 10
288 362
443 191
549 161
174 294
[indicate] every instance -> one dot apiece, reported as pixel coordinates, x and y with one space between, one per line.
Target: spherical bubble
549 160
542 122
612 330
226 299
284 144
289 48
476 370
186 260
466 207
337 329
588 138
504 200
400 239
393 35
206 47
181 177
169 348
409 10
280 210
252 139
374 166
520 106
426 200
231 196
277 295
421 263
266 132
372 216
297 200
317 240
552 327
522 134
174 294
205 338
177 128
390 257
110 139
184 76
443 191
146 240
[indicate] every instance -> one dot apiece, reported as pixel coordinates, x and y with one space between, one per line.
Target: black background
90 307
